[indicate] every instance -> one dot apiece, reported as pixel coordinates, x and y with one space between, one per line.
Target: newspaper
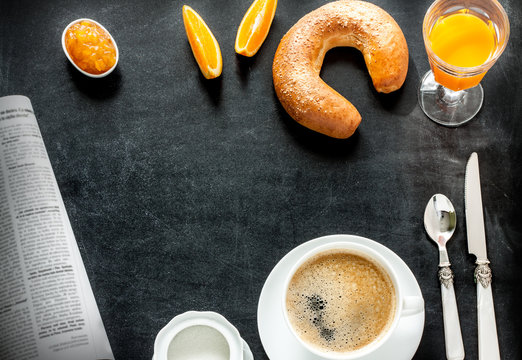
47 307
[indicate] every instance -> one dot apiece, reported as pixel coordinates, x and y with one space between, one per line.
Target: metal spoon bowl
440 219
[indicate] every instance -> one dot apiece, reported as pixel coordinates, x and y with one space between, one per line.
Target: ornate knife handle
487 327
452 332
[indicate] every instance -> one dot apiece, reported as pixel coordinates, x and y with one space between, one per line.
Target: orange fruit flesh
255 26
203 43
90 47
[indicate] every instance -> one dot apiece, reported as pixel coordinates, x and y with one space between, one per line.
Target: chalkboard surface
184 193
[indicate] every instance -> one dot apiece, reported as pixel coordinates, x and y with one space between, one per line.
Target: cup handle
412 305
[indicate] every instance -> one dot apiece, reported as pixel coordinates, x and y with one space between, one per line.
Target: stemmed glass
452 95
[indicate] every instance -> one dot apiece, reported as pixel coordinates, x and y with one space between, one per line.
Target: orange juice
464 40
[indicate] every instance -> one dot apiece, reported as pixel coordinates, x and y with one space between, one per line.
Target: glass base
447 107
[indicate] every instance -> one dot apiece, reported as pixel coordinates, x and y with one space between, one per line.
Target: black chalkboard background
184 193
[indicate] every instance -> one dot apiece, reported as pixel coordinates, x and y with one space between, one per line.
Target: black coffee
339 301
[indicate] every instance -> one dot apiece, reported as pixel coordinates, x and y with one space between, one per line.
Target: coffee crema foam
339 301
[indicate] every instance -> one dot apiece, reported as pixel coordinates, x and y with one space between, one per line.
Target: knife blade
487 328
474 217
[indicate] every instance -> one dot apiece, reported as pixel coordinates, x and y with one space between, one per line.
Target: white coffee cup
196 334
405 305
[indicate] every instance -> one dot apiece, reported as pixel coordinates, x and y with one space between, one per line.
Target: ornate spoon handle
452 333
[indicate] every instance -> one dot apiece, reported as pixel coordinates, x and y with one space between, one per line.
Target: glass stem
450 97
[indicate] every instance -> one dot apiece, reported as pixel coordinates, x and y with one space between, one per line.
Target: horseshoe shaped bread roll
299 57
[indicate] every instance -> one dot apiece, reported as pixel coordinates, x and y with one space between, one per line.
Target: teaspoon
440 221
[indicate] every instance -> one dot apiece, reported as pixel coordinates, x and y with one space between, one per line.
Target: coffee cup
200 335
343 300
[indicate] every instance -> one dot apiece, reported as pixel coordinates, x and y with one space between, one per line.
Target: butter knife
487 328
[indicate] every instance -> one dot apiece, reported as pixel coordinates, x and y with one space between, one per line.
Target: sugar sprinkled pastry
299 57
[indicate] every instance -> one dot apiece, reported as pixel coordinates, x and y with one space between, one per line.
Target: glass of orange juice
463 39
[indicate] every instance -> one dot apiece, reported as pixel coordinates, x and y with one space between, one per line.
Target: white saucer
280 344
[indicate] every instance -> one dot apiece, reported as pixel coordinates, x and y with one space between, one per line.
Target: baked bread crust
300 54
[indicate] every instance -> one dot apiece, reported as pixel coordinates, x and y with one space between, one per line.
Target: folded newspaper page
47 307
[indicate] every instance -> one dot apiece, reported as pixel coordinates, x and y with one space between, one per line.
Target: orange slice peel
255 26
203 44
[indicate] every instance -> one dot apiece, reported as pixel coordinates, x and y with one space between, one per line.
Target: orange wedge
203 43
255 26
